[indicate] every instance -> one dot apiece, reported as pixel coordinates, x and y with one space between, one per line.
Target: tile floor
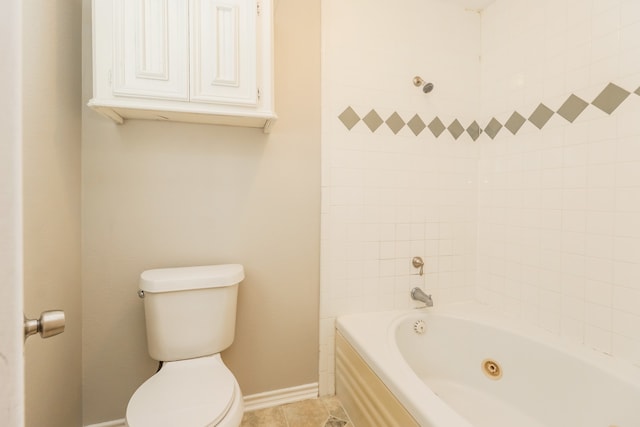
321 412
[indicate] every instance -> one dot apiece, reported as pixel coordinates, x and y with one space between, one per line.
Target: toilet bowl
190 315
197 392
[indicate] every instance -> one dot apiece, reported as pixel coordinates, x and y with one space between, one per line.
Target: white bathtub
438 377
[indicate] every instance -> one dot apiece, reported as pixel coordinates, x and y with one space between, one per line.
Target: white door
50 218
224 51
11 362
151 48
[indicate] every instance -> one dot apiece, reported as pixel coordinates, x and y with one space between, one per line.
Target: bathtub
463 365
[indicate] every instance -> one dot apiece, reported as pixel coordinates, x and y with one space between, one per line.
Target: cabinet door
151 49
224 52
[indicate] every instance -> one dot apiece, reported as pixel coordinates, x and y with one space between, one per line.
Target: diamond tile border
395 123
493 127
541 116
349 118
572 108
608 100
416 125
455 129
436 127
515 122
372 120
474 130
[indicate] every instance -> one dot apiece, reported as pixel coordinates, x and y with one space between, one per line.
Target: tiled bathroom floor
321 412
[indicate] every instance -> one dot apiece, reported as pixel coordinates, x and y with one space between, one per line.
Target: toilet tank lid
183 278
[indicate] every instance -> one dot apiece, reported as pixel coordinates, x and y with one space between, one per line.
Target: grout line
284 415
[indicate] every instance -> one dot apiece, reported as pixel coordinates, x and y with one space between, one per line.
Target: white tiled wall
388 198
543 224
559 208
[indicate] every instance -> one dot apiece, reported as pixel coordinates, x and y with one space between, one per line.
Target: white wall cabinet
201 61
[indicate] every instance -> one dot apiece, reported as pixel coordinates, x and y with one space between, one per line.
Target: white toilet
190 315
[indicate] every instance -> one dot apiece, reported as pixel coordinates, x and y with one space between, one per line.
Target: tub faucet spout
418 294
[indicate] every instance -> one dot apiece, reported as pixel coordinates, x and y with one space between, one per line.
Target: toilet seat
195 392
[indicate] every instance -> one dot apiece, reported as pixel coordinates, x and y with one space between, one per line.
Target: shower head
418 81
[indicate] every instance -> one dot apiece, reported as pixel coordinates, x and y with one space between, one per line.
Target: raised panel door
151 49
224 52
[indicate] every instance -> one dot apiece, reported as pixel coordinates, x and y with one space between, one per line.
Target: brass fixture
417 262
491 369
419 81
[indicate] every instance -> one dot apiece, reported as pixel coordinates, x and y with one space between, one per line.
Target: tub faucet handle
417 262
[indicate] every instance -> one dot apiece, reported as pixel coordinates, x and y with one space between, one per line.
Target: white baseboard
267 399
280 397
114 423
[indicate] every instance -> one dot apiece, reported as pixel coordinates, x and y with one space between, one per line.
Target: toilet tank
190 311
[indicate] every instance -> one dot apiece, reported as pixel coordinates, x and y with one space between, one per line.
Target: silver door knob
49 324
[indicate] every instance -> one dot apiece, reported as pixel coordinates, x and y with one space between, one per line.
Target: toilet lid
196 392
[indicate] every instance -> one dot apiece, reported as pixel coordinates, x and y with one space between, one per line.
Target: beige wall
51 113
158 194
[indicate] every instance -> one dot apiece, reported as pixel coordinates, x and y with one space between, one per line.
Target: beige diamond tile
572 108
436 127
416 125
541 116
395 123
349 118
372 120
515 122
455 129
474 130
493 128
610 98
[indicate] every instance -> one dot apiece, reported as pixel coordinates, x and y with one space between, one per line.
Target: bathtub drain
419 327
491 369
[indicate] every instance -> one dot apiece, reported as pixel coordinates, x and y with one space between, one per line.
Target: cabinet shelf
120 112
